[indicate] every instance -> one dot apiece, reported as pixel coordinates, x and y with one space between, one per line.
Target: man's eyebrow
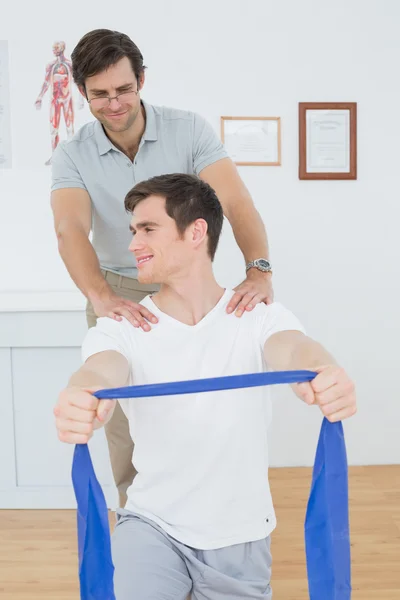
118 89
142 225
123 87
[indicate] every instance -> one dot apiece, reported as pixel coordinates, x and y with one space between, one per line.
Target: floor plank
38 558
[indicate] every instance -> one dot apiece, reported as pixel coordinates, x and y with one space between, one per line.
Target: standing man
131 141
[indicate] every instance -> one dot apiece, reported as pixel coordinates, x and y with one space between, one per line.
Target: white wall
334 245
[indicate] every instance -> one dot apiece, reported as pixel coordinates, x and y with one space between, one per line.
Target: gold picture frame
252 141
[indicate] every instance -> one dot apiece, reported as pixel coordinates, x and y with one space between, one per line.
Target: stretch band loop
327 538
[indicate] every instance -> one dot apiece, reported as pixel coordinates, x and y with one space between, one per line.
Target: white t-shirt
202 459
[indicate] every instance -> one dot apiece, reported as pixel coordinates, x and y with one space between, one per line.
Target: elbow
61 236
65 230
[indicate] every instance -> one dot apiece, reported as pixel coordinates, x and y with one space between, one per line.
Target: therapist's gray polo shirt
174 141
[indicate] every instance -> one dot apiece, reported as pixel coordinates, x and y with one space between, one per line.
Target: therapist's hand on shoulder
256 288
332 390
78 413
115 307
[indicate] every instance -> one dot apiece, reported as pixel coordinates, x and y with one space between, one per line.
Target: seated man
198 517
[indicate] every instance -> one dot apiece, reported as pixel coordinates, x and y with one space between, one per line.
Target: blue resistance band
327 537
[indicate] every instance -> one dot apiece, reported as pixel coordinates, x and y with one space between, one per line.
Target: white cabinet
38 353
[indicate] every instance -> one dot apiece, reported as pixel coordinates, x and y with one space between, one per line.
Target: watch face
263 264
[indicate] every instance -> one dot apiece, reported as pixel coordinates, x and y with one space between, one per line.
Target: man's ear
199 231
82 90
141 81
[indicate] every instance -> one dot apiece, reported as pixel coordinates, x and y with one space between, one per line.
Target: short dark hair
187 198
100 49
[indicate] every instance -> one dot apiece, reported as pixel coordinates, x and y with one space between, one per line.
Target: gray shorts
151 565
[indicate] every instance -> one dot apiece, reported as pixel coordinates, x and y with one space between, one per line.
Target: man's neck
189 297
128 141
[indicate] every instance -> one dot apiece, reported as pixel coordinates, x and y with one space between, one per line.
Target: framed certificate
252 140
327 140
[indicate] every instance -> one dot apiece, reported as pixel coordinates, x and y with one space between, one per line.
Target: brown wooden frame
303 107
255 164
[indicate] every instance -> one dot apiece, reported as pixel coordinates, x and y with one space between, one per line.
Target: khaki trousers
119 440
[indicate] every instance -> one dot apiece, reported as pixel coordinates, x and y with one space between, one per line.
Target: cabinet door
7 447
39 374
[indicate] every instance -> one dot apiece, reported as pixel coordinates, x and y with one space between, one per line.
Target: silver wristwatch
262 264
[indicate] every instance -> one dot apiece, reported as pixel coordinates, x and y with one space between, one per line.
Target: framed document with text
327 140
252 140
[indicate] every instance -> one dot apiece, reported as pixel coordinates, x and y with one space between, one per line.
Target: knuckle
62 436
317 384
86 428
349 387
92 403
319 398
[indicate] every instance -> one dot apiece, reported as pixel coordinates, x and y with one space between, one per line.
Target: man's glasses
105 101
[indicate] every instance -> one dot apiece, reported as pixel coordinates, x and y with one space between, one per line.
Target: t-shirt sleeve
275 318
64 173
106 335
207 147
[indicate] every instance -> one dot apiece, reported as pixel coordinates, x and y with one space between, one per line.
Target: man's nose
114 103
136 243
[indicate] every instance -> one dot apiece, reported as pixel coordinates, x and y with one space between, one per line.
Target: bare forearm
247 225
309 354
293 350
105 370
87 378
249 231
81 261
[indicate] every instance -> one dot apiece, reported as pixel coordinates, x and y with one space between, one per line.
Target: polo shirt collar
103 143
150 133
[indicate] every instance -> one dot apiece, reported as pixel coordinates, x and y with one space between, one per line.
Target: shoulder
260 311
116 329
81 146
170 114
107 334
124 328
84 135
275 318
262 320
271 312
177 121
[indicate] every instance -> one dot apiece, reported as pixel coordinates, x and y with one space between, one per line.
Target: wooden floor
38 559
